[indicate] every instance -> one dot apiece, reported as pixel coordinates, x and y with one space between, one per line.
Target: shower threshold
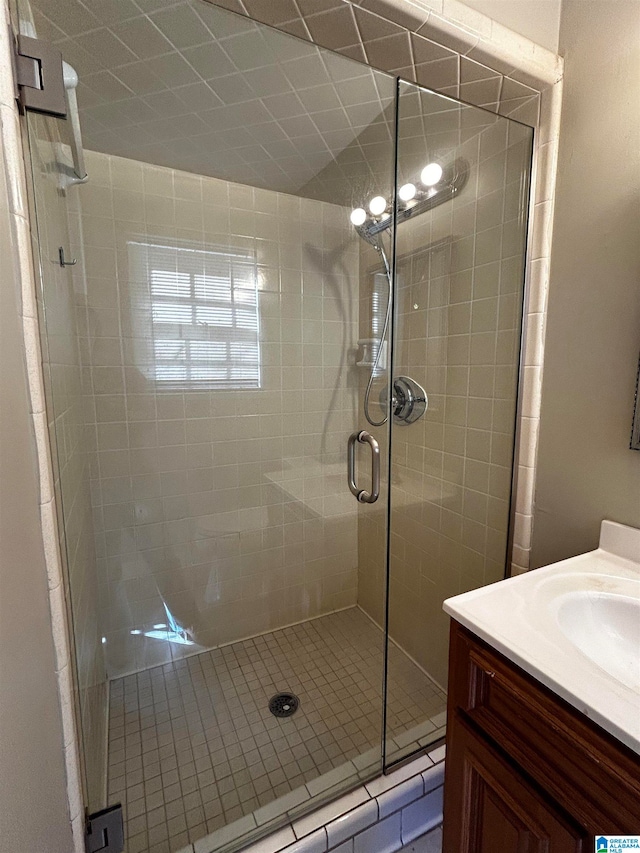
195 750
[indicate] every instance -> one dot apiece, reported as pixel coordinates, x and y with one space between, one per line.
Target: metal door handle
360 494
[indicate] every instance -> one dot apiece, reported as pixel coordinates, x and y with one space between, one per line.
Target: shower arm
77 151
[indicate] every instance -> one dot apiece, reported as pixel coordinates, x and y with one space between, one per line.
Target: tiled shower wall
460 282
212 505
453 49
70 457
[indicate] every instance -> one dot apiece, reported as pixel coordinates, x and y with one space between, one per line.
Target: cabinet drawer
491 807
561 749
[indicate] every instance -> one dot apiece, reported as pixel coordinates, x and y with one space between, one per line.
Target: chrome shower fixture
371 238
437 185
409 400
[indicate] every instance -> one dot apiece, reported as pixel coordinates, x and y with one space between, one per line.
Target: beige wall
586 471
538 20
34 813
227 506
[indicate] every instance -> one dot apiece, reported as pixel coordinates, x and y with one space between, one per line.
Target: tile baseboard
384 815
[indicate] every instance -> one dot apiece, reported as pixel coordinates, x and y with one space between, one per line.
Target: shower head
373 239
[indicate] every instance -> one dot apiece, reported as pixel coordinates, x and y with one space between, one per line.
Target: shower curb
383 815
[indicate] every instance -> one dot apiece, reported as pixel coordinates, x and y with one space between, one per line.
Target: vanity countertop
574 626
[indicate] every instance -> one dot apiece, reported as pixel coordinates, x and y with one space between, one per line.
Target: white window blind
203 315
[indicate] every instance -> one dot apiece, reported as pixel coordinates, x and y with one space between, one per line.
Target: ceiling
191 86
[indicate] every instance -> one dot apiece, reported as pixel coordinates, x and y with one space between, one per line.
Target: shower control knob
409 400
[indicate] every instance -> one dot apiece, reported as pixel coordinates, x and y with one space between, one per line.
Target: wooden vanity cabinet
525 771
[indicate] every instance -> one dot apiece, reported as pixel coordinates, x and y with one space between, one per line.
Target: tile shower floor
193 745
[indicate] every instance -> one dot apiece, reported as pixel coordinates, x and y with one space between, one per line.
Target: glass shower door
209 356
463 183
220 384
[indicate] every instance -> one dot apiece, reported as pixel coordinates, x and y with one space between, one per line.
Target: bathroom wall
224 505
586 471
35 812
72 455
460 283
538 20
32 787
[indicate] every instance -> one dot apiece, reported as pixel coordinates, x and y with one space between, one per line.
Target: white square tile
281 805
421 816
403 794
383 837
438 754
212 842
333 777
384 783
345 847
352 822
277 841
322 816
316 842
433 778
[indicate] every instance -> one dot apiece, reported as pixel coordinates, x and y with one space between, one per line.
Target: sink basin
574 626
606 628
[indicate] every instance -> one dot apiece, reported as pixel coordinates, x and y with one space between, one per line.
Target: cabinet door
489 806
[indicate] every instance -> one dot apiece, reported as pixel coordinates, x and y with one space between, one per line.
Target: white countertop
519 618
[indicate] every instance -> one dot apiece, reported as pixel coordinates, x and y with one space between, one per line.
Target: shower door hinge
104 831
39 77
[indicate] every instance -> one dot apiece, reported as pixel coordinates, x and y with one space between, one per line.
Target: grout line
190 688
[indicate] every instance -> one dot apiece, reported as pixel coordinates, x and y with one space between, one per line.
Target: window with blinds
202 314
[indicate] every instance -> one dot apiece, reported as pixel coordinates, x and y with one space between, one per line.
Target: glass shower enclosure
280 331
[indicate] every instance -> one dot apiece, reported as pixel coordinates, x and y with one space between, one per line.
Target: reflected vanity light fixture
442 183
431 174
407 192
378 205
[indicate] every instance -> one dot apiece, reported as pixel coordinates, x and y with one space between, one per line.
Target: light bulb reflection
407 192
431 174
358 216
377 205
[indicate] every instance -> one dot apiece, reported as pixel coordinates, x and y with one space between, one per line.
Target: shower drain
283 704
